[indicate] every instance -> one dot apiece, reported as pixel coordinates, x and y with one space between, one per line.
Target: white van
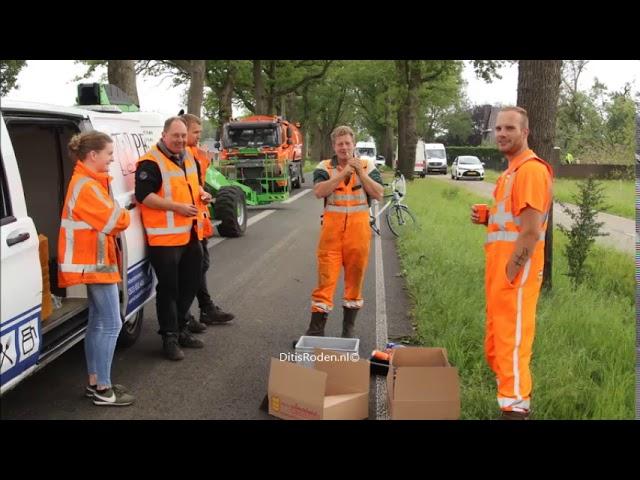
420 166
367 151
35 172
436 158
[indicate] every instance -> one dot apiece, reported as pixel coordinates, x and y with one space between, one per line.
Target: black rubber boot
316 327
349 322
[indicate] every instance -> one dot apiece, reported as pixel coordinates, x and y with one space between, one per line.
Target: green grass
583 354
309 165
619 194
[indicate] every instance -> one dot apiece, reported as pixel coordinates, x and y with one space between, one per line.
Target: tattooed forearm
522 258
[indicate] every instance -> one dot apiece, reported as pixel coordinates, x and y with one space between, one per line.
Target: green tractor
260 163
229 212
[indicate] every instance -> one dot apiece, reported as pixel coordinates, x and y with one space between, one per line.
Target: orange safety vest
346 199
90 221
503 226
167 228
204 162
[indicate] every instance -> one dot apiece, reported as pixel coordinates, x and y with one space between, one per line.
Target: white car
467 166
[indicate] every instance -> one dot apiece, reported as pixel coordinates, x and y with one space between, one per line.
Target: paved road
265 278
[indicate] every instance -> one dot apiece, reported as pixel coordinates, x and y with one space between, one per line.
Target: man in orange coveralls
346 183
514 252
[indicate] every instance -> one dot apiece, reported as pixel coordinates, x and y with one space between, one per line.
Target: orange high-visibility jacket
346 199
204 162
90 221
165 227
503 225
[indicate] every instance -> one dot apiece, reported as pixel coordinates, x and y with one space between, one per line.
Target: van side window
6 210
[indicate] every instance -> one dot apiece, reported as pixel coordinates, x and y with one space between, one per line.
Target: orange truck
264 153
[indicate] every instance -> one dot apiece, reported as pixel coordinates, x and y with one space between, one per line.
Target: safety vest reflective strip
166 184
322 306
70 226
506 237
506 402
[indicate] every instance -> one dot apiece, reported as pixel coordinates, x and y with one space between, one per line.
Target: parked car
467 166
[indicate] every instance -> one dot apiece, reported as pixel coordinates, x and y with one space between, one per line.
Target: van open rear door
21 275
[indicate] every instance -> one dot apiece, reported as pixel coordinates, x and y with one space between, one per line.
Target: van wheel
231 209
131 330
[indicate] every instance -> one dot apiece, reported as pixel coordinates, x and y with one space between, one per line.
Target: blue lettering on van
139 284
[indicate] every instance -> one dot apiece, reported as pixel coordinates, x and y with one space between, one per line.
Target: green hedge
491 156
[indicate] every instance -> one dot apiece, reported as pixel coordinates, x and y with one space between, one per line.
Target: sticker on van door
139 284
128 148
19 343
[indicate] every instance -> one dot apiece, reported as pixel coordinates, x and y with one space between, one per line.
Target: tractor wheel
231 209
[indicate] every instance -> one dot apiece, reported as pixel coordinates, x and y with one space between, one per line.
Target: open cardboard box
332 390
422 385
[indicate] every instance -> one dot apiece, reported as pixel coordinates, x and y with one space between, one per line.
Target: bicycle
399 217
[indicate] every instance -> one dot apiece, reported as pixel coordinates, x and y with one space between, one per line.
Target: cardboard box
422 385
331 390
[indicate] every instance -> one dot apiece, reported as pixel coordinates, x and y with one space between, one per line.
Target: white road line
297 196
258 217
381 327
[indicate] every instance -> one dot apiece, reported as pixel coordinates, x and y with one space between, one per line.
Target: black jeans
178 272
203 292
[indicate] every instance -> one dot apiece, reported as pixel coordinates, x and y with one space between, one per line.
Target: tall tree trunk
122 74
402 141
411 134
327 146
317 141
225 100
538 91
408 72
270 90
258 86
386 147
196 87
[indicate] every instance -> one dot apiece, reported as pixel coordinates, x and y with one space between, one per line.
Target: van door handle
21 237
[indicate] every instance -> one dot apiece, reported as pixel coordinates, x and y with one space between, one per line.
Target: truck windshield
251 137
436 154
365 152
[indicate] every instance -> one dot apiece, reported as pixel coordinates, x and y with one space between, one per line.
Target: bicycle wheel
400 220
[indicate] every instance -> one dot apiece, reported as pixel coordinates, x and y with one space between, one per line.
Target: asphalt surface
265 278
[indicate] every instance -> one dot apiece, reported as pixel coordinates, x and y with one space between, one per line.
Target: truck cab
367 151
263 152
